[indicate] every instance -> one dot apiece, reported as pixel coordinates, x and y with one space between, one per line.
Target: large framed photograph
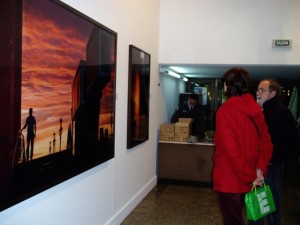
57 105
138 97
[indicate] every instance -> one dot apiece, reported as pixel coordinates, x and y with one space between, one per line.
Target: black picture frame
62 65
138 96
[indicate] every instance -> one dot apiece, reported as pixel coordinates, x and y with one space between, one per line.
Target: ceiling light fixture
178 69
173 74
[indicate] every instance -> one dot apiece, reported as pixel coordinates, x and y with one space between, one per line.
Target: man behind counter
191 109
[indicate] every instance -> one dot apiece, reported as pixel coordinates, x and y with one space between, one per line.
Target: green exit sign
277 43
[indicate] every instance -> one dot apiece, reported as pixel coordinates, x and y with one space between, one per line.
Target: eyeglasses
262 90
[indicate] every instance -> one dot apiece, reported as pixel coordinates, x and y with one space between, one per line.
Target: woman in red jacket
243 146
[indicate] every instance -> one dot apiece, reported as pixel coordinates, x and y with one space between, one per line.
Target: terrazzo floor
174 204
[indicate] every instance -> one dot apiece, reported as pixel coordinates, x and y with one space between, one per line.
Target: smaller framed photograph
138 97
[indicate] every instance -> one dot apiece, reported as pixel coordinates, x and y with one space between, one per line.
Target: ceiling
287 72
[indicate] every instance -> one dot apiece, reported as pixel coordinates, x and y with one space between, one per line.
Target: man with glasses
283 132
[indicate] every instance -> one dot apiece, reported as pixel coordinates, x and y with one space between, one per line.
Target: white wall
107 193
170 88
228 31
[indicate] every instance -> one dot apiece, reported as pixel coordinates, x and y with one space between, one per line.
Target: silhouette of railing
19 151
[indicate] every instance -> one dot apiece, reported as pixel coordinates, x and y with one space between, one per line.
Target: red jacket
240 147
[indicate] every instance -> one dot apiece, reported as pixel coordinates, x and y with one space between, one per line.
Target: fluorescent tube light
171 73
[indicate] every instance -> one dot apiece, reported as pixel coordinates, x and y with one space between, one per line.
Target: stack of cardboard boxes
178 132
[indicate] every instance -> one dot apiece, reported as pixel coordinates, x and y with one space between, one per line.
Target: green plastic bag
259 202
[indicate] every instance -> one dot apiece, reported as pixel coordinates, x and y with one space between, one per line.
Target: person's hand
259 177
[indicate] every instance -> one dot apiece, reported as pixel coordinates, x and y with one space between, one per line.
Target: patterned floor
170 204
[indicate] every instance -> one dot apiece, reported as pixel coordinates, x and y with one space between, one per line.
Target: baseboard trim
132 203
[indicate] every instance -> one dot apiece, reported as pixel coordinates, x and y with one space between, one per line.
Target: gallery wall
228 32
107 193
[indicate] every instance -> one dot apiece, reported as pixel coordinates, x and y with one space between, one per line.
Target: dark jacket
196 114
282 128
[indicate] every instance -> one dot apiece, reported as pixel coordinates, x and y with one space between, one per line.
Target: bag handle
254 185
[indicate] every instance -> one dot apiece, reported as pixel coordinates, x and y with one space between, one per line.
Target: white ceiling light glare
173 74
178 69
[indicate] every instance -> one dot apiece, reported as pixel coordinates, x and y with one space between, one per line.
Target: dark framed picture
138 97
57 105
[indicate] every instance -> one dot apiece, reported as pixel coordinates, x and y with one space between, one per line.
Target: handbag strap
254 124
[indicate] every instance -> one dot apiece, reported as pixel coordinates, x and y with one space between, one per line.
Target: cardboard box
182 131
167 132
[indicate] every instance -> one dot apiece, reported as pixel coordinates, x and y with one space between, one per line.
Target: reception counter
185 162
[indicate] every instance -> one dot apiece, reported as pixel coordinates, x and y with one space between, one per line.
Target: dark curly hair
237 81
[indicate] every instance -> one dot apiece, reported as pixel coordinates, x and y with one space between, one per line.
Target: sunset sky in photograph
53 43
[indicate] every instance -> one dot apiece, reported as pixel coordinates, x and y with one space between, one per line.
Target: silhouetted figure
53 142
50 147
60 133
31 132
